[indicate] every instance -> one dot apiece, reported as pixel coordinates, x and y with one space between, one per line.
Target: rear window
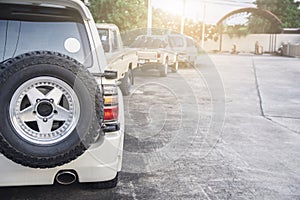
149 42
176 41
31 28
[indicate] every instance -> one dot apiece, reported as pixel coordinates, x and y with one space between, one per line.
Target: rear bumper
183 58
150 61
100 162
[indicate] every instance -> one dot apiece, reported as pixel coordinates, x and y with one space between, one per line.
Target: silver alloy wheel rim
44 110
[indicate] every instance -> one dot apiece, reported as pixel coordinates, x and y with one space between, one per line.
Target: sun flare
170 6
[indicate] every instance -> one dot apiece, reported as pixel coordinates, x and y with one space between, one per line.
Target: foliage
132 14
238 30
286 10
172 22
165 20
126 14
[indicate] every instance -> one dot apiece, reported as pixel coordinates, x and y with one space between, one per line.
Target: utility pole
203 25
149 24
182 17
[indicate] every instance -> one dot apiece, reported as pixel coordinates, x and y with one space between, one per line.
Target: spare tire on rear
51 109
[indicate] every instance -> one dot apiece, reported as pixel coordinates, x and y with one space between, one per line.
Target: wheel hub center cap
45 108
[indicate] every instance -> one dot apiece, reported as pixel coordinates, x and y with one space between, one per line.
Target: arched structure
257 11
277 26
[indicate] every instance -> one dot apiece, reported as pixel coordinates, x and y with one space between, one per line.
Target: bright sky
194 9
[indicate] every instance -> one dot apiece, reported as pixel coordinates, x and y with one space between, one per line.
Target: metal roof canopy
276 22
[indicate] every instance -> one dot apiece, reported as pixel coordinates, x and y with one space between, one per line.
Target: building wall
247 44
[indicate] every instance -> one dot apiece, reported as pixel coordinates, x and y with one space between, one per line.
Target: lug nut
45 120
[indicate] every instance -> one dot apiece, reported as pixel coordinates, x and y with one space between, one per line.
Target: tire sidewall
126 83
23 74
164 69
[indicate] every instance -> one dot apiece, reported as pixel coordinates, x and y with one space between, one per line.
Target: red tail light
158 55
111 109
111 113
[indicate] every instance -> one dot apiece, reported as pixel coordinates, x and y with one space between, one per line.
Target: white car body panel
103 159
95 165
187 49
118 58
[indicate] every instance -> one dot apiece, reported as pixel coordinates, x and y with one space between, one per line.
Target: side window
104 37
114 40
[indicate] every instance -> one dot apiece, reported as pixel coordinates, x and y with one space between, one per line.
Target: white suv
62 115
186 48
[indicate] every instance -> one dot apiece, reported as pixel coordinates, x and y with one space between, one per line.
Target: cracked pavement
173 151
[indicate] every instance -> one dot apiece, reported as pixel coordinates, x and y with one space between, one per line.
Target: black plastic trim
111 127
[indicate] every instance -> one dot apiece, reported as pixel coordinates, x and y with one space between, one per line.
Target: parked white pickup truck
154 51
186 48
119 58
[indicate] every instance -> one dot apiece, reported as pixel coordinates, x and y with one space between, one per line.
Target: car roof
107 26
182 36
75 4
161 37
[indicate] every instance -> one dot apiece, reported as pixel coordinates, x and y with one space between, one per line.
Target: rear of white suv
62 117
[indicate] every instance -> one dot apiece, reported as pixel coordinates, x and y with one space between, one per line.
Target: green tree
238 30
172 22
130 15
126 14
286 10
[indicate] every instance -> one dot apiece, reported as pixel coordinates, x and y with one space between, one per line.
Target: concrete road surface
227 129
